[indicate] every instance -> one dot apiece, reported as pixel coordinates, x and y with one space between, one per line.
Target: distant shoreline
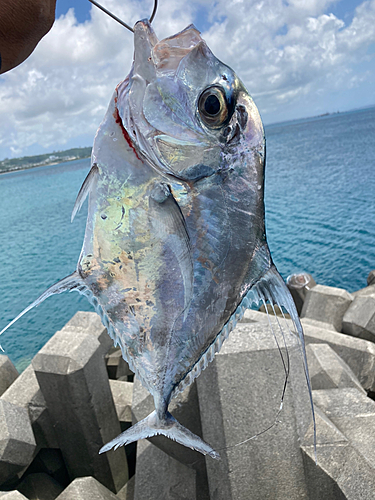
317 117
24 167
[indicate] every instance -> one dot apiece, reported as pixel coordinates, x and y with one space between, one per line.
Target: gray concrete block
318 324
123 371
86 488
353 413
299 284
185 408
8 373
116 365
122 393
239 398
112 359
12 495
365 292
345 447
90 322
160 477
40 486
328 370
260 316
25 392
341 474
359 319
72 376
252 316
50 461
358 354
17 443
371 278
326 304
127 492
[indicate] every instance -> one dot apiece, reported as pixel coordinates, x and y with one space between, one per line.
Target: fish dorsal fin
270 287
85 189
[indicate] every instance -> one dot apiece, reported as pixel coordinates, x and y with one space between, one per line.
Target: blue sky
297 58
82 9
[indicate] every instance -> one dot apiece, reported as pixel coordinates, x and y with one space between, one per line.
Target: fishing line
286 366
94 2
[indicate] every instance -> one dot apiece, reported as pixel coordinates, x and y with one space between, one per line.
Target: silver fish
175 247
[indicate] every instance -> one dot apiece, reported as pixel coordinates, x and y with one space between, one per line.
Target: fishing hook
119 20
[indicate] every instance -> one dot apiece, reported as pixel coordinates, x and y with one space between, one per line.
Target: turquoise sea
320 215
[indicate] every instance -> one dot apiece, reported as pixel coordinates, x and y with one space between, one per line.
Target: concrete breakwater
78 393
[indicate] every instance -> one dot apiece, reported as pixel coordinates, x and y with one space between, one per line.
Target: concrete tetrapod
299 284
122 393
86 488
239 397
17 443
359 319
371 278
326 304
90 322
40 486
127 491
8 373
72 376
328 370
358 354
12 495
25 392
185 408
345 448
161 477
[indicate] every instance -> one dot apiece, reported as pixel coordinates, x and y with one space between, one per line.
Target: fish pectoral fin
169 427
71 282
85 189
169 224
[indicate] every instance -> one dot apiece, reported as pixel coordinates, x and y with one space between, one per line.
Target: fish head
186 112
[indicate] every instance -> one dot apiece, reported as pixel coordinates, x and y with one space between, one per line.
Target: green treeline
10 164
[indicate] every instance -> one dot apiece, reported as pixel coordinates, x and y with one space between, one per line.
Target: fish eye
212 107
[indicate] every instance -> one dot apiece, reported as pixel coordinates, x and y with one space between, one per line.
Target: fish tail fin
169 427
71 282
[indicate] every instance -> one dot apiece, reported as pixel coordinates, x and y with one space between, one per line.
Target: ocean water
320 197
320 218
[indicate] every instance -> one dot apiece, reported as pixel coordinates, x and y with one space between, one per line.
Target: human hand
22 25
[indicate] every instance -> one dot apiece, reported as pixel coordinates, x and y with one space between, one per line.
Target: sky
297 58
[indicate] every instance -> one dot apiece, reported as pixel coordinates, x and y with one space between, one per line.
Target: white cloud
288 55
287 52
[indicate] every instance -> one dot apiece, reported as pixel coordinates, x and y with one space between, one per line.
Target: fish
175 246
